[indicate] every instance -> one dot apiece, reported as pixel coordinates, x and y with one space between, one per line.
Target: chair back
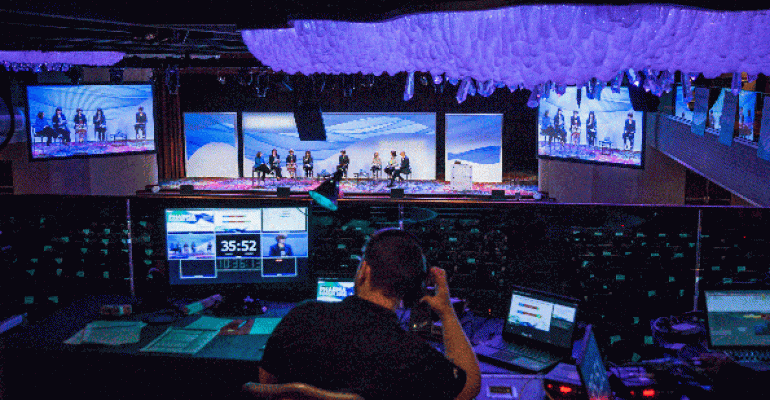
295 391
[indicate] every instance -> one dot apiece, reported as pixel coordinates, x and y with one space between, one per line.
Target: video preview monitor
604 131
236 246
70 121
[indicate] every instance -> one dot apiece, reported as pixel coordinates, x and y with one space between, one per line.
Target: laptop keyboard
749 355
512 351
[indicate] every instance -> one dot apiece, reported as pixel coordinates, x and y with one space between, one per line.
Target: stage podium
461 177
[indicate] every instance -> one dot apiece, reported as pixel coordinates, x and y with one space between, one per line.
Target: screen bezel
28 119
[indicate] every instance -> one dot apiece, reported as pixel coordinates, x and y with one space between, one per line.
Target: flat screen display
333 290
738 318
606 131
90 120
475 140
547 319
236 245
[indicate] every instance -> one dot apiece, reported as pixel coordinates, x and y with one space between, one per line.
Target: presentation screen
683 110
236 245
211 145
747 105
476 140
359 134
606 131
90 120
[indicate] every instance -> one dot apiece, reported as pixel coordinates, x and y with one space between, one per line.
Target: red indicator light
565 389
648 392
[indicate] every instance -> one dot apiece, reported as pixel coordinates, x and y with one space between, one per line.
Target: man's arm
456 345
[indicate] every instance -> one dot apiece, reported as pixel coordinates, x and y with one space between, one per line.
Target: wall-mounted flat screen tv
606 130
89 120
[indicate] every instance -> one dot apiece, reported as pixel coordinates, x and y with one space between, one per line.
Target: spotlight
424 80
222 80
546 90
327 193
437 78
687 86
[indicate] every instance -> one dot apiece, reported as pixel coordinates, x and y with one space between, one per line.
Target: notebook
590 367
332 290
537 332
738 323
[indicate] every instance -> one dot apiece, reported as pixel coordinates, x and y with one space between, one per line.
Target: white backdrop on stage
359 134
211 145
476 140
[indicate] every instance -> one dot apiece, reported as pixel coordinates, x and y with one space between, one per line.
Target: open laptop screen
541 316
590 366
738 317
334 289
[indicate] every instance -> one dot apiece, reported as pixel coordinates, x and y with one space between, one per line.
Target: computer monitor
332 290
590 366
236 246
738 318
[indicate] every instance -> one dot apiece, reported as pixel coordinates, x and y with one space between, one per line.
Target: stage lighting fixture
327 193
186 189
397 193
633 77
222 80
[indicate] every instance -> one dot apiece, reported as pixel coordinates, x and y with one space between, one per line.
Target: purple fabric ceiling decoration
527 44
462 91
735 85
92 58
687 78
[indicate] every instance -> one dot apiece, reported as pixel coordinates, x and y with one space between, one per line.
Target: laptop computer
738 322
590 367
331 290
537 332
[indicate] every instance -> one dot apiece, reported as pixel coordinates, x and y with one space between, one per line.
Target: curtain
171 162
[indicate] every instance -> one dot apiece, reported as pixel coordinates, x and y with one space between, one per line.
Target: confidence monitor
236 246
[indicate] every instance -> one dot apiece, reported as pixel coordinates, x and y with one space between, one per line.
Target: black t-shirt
358 346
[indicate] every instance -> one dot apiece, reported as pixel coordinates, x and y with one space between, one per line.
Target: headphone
417 288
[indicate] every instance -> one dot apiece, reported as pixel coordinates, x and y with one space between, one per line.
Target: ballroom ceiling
208 33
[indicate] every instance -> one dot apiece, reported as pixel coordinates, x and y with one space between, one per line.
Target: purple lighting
526 45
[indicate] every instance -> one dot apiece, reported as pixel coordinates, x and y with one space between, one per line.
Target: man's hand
440 302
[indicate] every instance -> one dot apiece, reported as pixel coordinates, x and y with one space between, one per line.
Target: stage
521 187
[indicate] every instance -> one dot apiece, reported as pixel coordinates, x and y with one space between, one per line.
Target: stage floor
523 189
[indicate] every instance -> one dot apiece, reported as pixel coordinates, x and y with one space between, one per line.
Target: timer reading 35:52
238 245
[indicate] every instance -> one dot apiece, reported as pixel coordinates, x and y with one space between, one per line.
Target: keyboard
749 355
513 351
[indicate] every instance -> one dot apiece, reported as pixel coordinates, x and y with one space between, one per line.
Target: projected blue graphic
122 130
715 113
747 104
211 145
359 134
476 139
682 109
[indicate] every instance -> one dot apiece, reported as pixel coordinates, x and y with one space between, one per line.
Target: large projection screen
359 134
211 145
476 140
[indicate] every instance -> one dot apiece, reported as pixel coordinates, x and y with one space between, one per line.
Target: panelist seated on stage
344 162
392 164
359 346
307 164
403 169
275 163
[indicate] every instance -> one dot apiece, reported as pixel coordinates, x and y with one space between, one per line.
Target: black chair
295 391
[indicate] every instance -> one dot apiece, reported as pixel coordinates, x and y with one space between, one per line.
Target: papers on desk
180 341
113 333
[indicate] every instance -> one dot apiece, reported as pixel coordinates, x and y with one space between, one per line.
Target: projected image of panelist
100 125
575 128
558 125
591 129
141 124
59 122
547 127
81 125
628 132
43 129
